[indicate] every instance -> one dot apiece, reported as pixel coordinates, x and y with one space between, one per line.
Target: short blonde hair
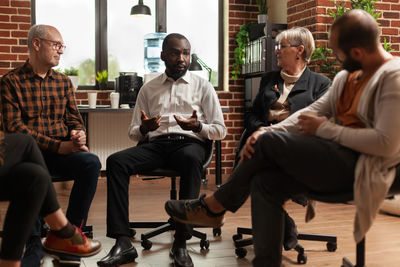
299 36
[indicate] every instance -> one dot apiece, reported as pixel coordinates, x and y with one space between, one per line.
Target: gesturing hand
149 124
190 124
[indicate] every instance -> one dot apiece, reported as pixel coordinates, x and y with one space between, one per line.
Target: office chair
161 227
331 240
346 197
241 242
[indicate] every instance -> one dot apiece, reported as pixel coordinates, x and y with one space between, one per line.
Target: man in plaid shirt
38 101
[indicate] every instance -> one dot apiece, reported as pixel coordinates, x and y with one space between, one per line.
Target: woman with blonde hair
283 92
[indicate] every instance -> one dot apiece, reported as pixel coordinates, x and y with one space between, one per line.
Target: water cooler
128 85
152 50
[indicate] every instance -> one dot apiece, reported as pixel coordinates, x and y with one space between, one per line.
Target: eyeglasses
280 46
56 45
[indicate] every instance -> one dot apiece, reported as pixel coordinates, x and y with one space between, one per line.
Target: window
198 21
78 31
125 37
104 36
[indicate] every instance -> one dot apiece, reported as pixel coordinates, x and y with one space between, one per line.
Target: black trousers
26 183
284 166
185 156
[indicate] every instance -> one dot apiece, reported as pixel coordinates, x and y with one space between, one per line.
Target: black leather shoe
181 257
118 256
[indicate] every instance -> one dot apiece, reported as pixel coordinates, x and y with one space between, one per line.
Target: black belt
175 137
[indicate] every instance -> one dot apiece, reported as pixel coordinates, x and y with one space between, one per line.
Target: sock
123 241
65 232
179 243
212 214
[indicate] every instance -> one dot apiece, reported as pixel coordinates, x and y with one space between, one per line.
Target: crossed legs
283 166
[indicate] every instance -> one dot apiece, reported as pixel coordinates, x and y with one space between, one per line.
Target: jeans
84 169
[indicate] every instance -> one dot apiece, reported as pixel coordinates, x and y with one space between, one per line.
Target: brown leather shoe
194 212
78 245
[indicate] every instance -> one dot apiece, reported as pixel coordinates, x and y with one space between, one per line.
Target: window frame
101 49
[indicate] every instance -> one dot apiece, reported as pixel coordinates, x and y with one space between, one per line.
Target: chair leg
204 243
331 240
360 256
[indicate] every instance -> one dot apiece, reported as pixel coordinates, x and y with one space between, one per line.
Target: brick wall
313 15
15 20
240 12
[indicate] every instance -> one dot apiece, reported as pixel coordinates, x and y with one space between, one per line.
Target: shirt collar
185 78
29 70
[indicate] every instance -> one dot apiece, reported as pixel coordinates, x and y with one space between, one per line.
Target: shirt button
44 98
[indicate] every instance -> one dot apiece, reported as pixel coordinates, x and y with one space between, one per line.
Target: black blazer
308 88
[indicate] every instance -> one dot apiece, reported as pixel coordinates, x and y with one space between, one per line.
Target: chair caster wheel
331 247
132 232
240 252
237 237
204 244
301 258
217 232
146 244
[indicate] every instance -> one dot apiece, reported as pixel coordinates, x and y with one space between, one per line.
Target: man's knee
20 139
31 175
92 161
114 161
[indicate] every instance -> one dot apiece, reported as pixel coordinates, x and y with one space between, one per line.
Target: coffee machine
128 85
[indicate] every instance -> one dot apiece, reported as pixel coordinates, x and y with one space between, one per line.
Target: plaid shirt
43 108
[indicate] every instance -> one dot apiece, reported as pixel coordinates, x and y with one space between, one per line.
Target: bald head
356 28
40 31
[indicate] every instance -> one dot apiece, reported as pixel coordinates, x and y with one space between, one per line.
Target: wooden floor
147 201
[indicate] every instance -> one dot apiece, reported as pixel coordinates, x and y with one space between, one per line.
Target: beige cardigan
378 143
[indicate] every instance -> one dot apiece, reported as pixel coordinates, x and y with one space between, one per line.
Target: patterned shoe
194 212
78 245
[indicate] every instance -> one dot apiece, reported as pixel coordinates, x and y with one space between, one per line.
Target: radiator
108 133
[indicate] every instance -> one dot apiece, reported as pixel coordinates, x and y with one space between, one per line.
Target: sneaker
34 253
78 245
194 212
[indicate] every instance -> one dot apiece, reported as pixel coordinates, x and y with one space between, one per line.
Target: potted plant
102 79
262 16
242 39
73 74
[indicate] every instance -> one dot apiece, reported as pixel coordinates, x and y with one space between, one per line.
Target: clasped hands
307 125
76 143
151 124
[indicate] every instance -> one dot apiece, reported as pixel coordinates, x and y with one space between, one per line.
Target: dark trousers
185 156
284 166
26 183
84 169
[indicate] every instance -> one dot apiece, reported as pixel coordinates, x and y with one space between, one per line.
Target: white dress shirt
165 97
